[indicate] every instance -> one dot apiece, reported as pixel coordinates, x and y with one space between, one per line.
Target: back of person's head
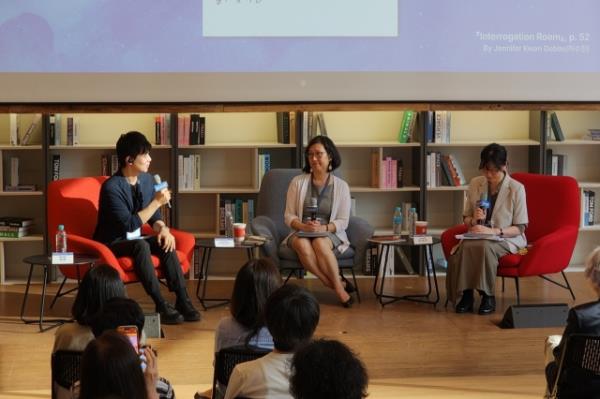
254 283
118 312
291 314
130 145
327 369
592 268
99 284
110 366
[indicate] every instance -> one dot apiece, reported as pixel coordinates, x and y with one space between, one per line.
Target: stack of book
286 126
312 125
191 130
15 227
188 169
444 170
386 173
407 127
241 211
162 129
441 128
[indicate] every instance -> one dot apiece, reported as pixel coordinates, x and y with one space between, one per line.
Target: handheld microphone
483 204
160 185
313 208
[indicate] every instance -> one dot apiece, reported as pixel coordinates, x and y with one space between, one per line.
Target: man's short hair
130 145
291 314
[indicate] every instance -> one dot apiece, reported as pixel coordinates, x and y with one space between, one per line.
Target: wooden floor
410 350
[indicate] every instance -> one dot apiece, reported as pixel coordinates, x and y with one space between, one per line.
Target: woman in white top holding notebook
318 209
495 205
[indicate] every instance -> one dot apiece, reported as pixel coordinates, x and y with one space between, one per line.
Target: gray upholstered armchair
269 223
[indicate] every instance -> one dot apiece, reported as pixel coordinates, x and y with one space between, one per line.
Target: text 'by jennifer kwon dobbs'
535 42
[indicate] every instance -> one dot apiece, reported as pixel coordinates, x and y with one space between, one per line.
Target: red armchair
74 203
553 206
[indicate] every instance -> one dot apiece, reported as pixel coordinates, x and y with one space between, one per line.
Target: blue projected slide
299 36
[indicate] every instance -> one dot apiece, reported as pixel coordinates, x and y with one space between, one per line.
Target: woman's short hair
110 366
592 267
254 283
327 369
292 314
99 284
493 155
130 145
118 312
330 148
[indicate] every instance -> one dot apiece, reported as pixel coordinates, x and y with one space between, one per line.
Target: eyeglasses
318 154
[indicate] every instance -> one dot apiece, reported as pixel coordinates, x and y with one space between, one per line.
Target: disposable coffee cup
421 227
239 231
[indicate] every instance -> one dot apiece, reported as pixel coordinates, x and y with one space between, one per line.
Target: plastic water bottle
397 221
228 225
412 221
61 239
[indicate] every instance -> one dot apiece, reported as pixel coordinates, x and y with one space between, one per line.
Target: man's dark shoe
168 314
465 304
187 310
488 304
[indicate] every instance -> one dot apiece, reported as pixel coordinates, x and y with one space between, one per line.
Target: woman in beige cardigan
473 263
318 209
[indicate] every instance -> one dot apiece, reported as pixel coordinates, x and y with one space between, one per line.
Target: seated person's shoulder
73 337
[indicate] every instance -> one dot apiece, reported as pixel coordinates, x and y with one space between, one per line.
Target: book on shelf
15 221
375 168
242 211
15 234
264 165
15 229
321 124
72 131
13 122
104 165
114 164
460 176
189 171
283 127
14 171
27 136
588 208
55 166
54 129
556 129
593 134
407 126
441 127
21 187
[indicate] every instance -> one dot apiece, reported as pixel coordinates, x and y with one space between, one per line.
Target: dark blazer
117 213
582 319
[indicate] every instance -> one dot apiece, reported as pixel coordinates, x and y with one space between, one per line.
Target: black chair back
579 368
227 358
65 368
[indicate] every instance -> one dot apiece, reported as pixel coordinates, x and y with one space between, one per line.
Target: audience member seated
98 285
126 312
254 283
110 367
292 315
582 319
327 369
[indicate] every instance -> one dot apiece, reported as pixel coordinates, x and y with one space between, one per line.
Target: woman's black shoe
465 304
348 303
348 287
488 304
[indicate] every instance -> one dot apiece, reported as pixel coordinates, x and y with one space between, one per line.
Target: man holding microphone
127 201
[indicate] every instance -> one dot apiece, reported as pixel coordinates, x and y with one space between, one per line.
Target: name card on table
62 258
421 240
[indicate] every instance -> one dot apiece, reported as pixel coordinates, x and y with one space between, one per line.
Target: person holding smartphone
110 367
125 316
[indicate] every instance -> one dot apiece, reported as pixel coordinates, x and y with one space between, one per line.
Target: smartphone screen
131 332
